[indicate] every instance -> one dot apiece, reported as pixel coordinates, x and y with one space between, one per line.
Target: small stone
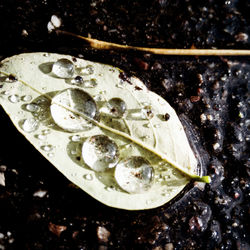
194 99
56 21
169 246
103 234
56 229
2 179
40 193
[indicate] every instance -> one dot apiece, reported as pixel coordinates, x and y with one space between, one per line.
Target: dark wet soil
210 94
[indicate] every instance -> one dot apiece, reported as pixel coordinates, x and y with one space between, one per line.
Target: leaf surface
58 132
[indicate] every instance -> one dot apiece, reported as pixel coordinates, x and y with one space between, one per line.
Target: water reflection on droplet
47 148
41 137
117 107
32 107
63 68
30 125
26 98
100 153
77 80
83 108
88 70
134 175
51 154
88 177
73 152
14 98
45 131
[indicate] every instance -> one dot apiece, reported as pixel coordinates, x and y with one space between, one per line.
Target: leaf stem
102 45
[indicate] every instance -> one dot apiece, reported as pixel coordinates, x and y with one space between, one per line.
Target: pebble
103 234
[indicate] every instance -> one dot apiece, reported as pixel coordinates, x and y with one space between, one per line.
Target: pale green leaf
60 118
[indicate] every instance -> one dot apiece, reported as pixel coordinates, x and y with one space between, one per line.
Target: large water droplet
14 98
100 153
134 175
29 125
71 109
117 107
63 68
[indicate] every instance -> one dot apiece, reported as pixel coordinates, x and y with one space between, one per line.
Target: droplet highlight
134 175
88 70
14 98
26 98
88 177
63 68
100 153
32 107
47 148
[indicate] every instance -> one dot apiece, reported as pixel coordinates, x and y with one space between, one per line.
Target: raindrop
88 177
63 68
32 107
72 108
147 112
26 98
30 125
77 80
46 131
14 98
75 138
100 153
73 152
47 148
41 137
88 70
50 154
117 107
134 175
157 125
90 83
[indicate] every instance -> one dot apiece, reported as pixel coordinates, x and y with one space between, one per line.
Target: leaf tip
206 179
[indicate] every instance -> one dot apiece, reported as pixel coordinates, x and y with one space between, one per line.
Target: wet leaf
106 134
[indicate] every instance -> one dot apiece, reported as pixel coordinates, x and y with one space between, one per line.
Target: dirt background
210 94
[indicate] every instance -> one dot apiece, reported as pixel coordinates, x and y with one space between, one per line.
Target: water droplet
63 68
90 83
117 107
14 98
30 125
46 131
73 152
32 107
157 125
88 177
100 153
11 78
47 148
83 108
98 98
41 137
147 112
26 98
50 154
75 138
134 175
77 80
88 70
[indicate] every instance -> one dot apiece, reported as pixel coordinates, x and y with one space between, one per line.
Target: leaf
92 123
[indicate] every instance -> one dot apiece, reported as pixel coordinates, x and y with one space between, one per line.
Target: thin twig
102 45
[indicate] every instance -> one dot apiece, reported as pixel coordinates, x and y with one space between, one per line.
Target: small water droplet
117 107
134 175
30 125
73 152
147 112
75 138
98 98
14 98
90 83
45 131
157 125
41 137
77 80
81 103
47 148
88 177
50 154
110 188
26 98
100 153
32 107
63 68
11 78
88 70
